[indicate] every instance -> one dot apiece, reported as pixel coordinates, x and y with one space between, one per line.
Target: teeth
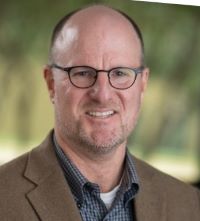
101 114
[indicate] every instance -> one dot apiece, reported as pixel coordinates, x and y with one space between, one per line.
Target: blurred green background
167 134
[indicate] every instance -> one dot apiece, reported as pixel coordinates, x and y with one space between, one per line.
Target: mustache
103 106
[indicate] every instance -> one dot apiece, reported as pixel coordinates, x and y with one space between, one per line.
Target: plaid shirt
87 194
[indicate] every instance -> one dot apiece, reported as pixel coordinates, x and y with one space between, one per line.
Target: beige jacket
33 188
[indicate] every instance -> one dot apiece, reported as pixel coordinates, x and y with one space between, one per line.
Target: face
97 119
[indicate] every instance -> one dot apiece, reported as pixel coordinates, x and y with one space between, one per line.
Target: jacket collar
51 198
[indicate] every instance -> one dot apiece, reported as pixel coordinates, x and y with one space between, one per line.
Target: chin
104 144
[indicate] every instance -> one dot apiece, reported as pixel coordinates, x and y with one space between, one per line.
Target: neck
105 169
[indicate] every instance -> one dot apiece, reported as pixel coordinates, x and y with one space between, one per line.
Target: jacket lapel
148 204
51 198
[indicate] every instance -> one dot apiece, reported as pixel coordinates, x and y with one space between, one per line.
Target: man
96 79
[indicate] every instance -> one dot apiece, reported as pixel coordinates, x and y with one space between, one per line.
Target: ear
48 76
145 77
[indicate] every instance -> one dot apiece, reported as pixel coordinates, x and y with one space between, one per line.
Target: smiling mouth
102 114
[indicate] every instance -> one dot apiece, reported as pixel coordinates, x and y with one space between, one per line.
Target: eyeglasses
85 76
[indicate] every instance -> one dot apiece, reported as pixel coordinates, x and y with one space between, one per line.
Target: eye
83 73
118 73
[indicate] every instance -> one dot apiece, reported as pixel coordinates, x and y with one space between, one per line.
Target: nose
101 90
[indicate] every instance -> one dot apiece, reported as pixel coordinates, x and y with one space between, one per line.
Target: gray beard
79 139
94 146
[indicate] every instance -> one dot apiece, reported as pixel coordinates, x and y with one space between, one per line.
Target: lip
101 113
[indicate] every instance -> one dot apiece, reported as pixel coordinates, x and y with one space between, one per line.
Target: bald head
98 20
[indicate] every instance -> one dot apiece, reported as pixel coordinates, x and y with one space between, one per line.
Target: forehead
97 31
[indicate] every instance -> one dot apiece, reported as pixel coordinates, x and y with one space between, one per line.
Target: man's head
97 119
58 28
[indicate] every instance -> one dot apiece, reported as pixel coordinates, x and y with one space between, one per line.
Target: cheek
132 110
68 100
132 104
62 98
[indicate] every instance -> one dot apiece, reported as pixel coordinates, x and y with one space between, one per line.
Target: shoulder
11 175
13 172
37 156
146 171
13 167
13 188
161 182
160 195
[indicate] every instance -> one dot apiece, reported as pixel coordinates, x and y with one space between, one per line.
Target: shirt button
79 205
